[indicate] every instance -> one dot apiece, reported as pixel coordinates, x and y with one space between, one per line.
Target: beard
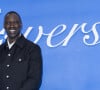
13 34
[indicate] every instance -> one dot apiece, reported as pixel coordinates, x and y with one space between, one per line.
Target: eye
16 22
7 23
12 23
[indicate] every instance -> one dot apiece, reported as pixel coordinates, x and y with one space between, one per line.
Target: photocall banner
68 32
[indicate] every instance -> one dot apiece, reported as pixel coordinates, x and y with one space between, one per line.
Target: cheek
17 26
6 27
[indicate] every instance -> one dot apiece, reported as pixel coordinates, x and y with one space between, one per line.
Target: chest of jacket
14 65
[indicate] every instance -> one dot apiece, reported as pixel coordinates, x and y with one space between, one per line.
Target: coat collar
20 42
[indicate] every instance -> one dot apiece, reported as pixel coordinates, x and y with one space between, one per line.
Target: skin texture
12 25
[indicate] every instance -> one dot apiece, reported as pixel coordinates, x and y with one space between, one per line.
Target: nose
11 25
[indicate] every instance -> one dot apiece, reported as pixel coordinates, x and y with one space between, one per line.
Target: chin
12 36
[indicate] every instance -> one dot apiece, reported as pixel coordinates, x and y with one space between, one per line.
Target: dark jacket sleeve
34 77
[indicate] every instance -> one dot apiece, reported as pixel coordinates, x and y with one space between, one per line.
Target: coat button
20 60
9 54
7 88
8 65
7 76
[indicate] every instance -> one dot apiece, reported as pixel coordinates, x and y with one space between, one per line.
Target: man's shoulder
24 42
31 44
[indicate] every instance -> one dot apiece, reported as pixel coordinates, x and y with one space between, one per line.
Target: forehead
12 17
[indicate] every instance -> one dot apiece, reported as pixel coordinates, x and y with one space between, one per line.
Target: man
20 59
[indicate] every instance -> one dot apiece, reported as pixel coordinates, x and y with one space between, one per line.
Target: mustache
12 28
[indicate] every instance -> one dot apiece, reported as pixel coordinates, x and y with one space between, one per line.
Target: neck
11 40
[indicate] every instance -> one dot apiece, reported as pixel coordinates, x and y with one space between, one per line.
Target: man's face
12 25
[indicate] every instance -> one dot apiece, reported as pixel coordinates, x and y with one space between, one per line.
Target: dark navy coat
21 66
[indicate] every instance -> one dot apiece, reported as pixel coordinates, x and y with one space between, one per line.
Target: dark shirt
21 66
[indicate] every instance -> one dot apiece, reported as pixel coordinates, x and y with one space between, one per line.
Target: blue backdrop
68 32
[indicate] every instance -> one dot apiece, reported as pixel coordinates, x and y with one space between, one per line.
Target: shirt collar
20 42
10 45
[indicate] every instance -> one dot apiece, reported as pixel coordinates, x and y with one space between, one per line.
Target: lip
12 31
